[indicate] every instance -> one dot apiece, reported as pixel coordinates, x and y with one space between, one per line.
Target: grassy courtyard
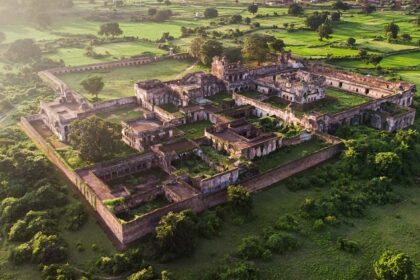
119 82
124 114
194 130
288 154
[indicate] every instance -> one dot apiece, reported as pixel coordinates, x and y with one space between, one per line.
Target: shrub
250 248
288 223
209 224
21 254
394 266
75 216
48 248
348 245
280 243
319 224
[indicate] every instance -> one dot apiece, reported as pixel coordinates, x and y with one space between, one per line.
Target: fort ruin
172 172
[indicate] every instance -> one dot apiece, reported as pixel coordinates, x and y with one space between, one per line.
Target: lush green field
119 82
108 52
392 226
392 61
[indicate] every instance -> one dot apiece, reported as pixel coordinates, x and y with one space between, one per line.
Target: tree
362 53
255 47
152 11
162 15
394 266
387 164
351 41
94 138
93 85
368 9
210 49
391 30
277 45
315 20
239 199
175 234
211 13
247 20
375 59
110 29
406 37
295 10
340 5
253 8
144 274
233 54
2 37
48 248
195 47
235 19
23 50
324 31
336 16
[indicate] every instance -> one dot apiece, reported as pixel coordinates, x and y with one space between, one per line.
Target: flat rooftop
143 125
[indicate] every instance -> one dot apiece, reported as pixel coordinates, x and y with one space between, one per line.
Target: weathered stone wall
114 104
115 229
275 175
219 181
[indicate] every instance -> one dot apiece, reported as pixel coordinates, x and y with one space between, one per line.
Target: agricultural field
119 82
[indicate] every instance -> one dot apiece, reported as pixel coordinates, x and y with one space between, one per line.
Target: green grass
219 98
344 100
393 61
412 77
288 154
125 114
119 82
194 130
217 157
194 167
109 52
318 258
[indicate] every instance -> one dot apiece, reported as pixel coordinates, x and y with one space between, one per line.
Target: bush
75 217
319 224
348 245
48 248
394 266
233 271
209 224
21 254
288 223
280 243
119 263
250 248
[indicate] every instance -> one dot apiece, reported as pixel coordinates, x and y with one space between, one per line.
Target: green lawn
288 154
194 130
125 114
109 52
219 98
343 100
393 61
119 82
318 258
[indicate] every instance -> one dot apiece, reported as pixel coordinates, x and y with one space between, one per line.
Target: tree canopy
255 47
394 266
93 85
94 139
110 29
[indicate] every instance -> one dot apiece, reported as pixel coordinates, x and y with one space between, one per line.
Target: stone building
241 139
298 87
142 133
60 113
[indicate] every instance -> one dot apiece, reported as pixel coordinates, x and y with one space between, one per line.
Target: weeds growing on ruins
209 139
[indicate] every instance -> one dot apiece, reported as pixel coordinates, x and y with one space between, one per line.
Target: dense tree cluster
95 139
